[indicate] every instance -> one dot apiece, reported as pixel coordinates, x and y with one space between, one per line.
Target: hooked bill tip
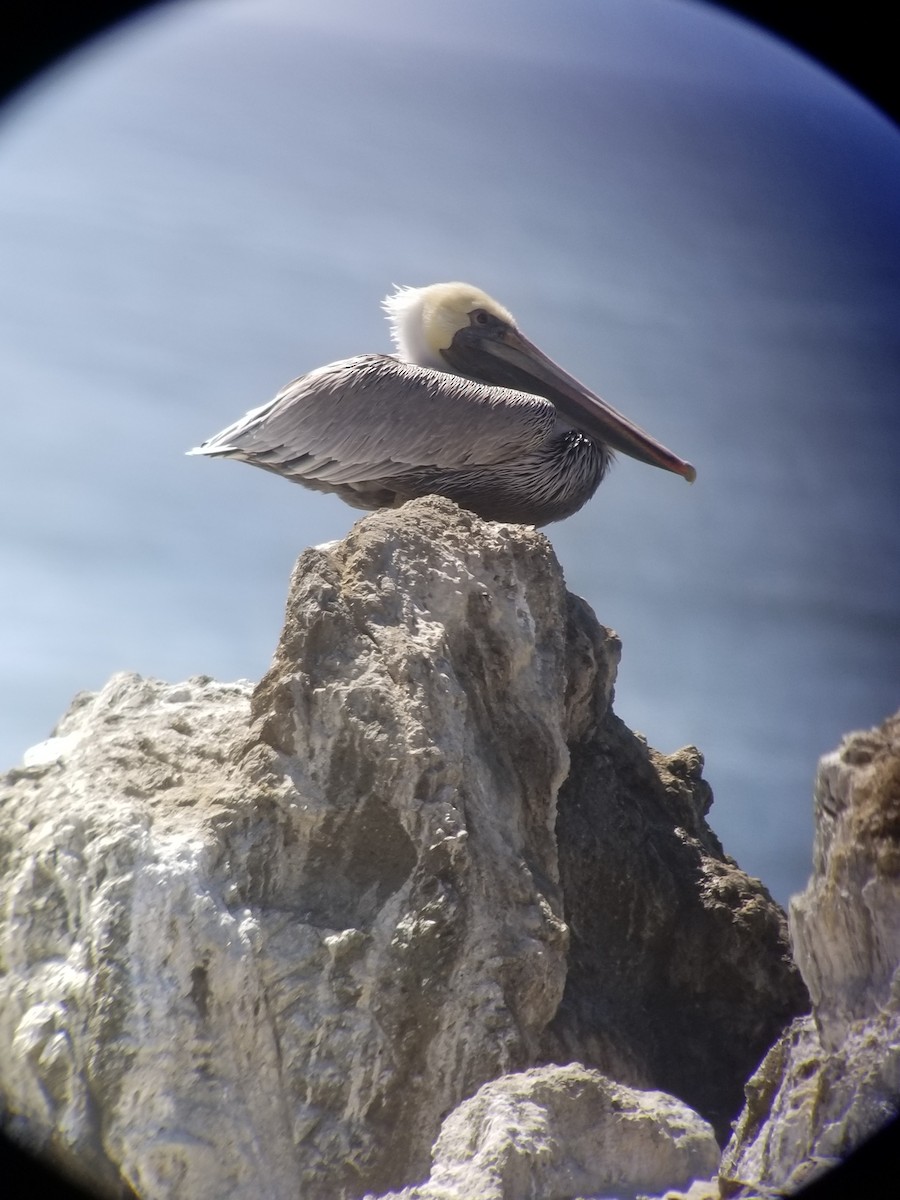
689 472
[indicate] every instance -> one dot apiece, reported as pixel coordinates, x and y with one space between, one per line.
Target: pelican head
458 328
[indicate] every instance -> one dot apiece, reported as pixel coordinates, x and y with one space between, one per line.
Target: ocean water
695 220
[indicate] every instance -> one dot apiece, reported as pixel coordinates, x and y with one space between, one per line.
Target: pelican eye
483 318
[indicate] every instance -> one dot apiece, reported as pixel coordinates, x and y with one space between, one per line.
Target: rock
834 1077
560 1132
260 942
679 964
845 927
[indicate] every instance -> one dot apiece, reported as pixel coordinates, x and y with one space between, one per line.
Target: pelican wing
369 417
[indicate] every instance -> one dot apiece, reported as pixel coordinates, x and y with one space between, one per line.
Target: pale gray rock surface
845 927
559 1132
258 942
834 1078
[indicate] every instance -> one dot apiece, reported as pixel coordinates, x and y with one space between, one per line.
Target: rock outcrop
558 1132
674 980
834 1077
259 942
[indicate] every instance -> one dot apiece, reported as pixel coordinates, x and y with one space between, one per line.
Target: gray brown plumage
468 409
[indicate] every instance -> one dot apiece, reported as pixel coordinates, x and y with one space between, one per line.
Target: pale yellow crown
424 320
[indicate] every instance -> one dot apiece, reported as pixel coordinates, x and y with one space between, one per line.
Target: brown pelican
466 408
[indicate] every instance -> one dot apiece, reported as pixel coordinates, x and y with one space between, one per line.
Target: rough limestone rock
560 1132
260 942
679 964
834 1077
